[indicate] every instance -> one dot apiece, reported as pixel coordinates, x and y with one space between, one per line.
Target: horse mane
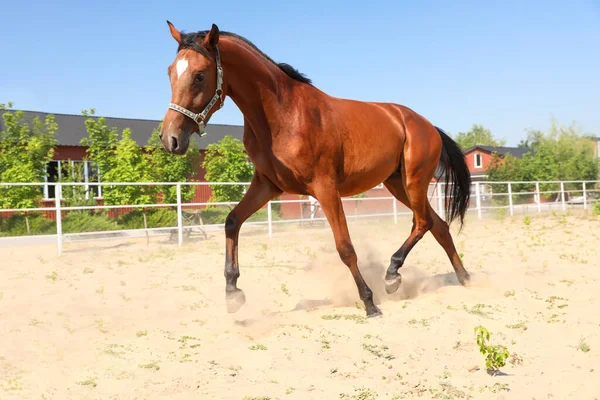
192 41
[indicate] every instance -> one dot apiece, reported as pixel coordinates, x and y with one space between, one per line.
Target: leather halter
200 118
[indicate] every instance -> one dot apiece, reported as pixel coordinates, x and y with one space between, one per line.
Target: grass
479 310
361 393
583 346
258 347
378 351
359 319
520 325
88 382
152 365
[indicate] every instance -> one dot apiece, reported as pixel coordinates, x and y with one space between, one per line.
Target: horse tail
457 179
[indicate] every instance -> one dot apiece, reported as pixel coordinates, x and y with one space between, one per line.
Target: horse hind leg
439 230
414 197
441 233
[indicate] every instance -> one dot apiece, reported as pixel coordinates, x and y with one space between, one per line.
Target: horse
303 141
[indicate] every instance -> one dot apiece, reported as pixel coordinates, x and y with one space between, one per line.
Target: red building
71 129
479 157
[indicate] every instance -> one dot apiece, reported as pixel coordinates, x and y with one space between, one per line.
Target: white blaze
181 67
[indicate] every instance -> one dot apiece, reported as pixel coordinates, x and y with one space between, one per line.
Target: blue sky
508 65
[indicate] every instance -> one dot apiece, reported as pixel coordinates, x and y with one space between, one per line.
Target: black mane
192 41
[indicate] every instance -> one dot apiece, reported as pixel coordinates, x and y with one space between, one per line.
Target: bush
217 215
155 217
162 218
15 225
596 209
214 215
83 222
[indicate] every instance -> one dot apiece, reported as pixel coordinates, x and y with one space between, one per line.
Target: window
478 160
78 171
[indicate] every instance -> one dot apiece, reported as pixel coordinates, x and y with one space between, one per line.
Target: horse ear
212 38
174 32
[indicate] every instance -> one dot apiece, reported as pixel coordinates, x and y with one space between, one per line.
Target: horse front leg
331 205
260 191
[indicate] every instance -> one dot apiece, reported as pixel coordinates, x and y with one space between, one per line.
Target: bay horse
304 141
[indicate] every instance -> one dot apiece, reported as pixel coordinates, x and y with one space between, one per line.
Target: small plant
495 356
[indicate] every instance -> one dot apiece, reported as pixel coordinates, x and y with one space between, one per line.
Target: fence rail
484 198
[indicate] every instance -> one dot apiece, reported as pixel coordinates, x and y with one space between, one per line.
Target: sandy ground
123 320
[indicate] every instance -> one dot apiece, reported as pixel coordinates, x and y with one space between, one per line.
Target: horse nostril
173 143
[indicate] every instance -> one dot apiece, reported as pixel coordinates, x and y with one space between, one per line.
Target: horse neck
256 85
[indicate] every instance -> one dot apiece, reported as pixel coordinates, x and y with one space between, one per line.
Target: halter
200 118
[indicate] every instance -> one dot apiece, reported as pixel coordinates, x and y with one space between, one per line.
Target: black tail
457 178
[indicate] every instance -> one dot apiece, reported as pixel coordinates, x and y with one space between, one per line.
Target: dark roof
71 128
514 151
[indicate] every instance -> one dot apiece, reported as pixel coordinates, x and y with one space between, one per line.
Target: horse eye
199 78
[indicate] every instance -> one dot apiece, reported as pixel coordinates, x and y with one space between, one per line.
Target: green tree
24 153
478 135
101 141
561 154
130 165
167 167
226 161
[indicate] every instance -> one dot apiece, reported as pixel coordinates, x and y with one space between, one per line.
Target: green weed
495 356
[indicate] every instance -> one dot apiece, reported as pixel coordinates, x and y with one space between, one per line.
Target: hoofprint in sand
123 320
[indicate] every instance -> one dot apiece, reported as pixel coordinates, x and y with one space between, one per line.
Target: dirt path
117 320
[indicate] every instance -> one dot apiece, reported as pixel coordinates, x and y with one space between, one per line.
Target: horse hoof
392 285
464 280
374 312
235 300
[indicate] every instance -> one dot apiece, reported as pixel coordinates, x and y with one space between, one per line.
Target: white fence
519 197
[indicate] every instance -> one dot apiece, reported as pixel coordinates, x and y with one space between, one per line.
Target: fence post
270 218
395 206
510 201
562 195
478 198
179 216
584 198
57 198
440 202
539 198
